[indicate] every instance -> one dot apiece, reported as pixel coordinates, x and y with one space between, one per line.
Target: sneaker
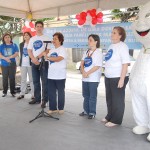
52 111
43 105
61 112
91 117
148 138
34 102
20 97
4 95
140 130
83 114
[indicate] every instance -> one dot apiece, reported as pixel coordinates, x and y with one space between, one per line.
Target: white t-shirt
57 70
25 56
37 45
89 62
117 55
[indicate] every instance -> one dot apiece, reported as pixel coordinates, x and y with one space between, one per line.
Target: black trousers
115 99
9 72
54 87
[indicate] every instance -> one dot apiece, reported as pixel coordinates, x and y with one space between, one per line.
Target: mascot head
141 27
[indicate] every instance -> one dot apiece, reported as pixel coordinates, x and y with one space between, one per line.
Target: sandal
20 97
110 124
104 120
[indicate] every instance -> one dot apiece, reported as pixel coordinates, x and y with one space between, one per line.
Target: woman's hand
121 83
35 61
85 74
7 59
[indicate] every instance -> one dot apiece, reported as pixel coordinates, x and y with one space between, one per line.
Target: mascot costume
140 74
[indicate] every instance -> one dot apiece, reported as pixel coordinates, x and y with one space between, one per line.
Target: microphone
47 41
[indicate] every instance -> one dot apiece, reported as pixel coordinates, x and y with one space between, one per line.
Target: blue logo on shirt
87 61
108 55
8 52
25 52
37 44
53 55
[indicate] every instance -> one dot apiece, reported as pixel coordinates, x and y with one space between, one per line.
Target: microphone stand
42 113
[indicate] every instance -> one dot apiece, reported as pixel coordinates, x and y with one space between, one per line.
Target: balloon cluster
91 17
29 27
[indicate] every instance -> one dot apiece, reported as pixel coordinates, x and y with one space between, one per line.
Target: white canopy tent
53 8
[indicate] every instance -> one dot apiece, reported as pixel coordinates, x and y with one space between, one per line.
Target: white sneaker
140 130
148 138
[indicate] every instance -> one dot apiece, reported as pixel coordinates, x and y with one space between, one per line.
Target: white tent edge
72 8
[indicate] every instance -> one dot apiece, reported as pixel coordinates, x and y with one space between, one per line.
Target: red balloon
99 20
88 12
28 30
94 21
81 22
24 28
33 33
100 15
78 17
93 13
31 24
83 15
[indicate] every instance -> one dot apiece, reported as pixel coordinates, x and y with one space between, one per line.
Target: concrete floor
71 132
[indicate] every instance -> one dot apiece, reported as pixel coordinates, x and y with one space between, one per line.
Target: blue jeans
56 87
38 74
89 92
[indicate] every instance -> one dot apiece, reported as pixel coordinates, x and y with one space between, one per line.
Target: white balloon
27 24
88 19
32 29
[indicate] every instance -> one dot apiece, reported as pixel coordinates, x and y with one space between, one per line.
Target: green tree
11 25
125 16
14 25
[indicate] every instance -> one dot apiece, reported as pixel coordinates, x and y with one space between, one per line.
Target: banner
76 37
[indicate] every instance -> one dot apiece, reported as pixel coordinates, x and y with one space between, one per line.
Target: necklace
89 55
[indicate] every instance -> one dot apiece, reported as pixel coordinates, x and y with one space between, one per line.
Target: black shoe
91 117
82 114
34 102
20 97
43 105
4 95
13 95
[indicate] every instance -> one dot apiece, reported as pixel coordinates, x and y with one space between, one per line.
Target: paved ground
71 132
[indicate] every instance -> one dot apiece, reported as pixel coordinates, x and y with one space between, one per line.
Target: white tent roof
52 8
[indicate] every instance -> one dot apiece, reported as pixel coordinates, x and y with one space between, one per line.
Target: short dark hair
96 38
121 32
7 34
39 22
60 37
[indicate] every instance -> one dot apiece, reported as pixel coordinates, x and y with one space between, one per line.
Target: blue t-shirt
6 51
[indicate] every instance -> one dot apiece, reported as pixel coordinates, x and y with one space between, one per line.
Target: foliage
14 25
10 25
125 16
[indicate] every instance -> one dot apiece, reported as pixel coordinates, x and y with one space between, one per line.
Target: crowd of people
46 68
